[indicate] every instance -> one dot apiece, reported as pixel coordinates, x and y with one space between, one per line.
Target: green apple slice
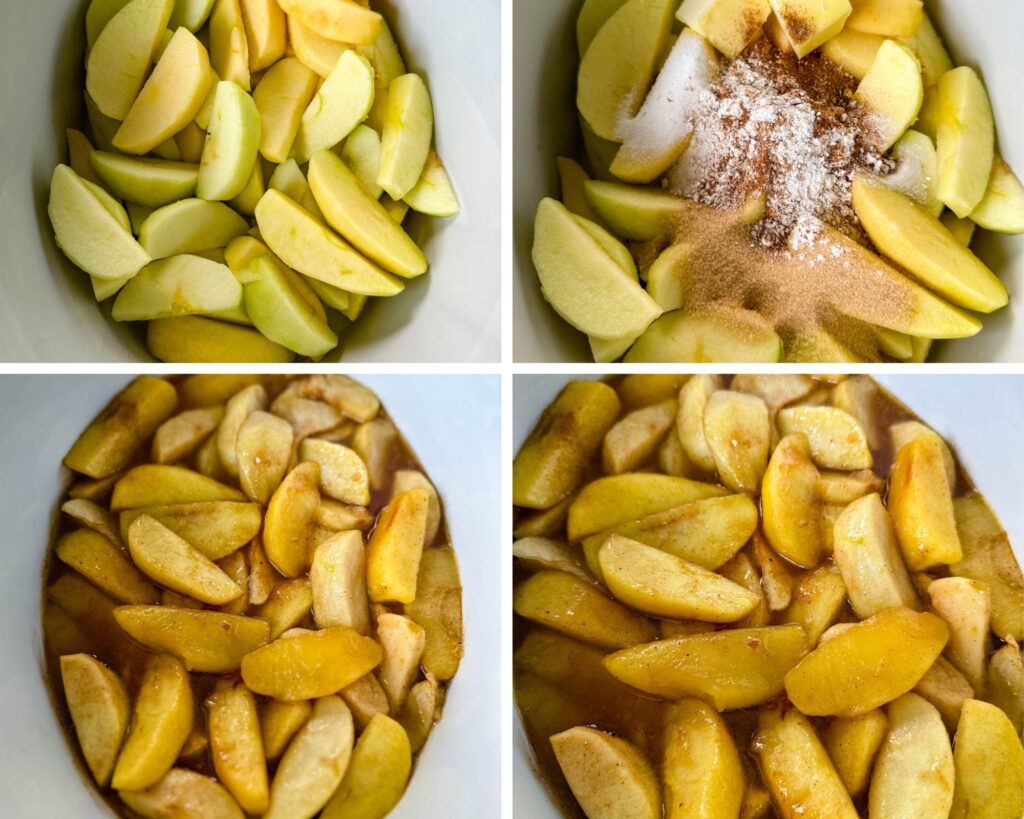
79 152
307 245
668 278
1002 207
103 289
191 14
203 116
361 219
243 250
965 140
433 193
290 180
232 144
103 127
637 213
178 286
194 339
617 68
245 203
342 102
915 239
408 131
282 95
281 313
892 91
121 56
722 335
100 13
152 183
330 295
361 153
88 232
593 15
582 282
572 179
190 226
137 215
916 173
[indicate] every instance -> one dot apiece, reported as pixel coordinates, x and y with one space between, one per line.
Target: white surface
47 312
451 422
981 416
983 33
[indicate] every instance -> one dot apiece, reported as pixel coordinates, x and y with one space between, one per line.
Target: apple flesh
340 20
892 90
190 226
281 96
232 144
90 235
203 340
593 15
729 25
342 102
433 193
890 18
178 286
965 140
361 153
229 49
1002 207
152 183
191 14
317 53
916 173
265 32
930 50
99 13
722 335
854 51
809 23
637 213
405 140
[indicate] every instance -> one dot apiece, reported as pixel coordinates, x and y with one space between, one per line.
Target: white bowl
984 35
451 422
989 444
48 312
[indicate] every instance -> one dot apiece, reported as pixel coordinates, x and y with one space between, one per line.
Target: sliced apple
190 226
965 140
989 762
809 23
282 95
232 144
99 13
79 152
893 92
890 18
229 48
916 173
319 54
121 56
191 14
930 50
729 25
340 104
915 239
340 20
726 334
151 183
406 136
609 244
962 229
593 15
178 286
361 153
637 213
265 32
433 193
99 707
853 51
1002 207
196 339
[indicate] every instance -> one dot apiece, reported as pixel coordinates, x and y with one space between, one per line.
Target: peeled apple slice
178 286
1002 207
151 183
232 144
727 334
892 90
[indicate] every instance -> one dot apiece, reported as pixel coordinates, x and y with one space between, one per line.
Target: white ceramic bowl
983 34
48 313
982 416
451 422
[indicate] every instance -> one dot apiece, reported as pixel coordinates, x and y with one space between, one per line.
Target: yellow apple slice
853 50
197 339
229 49
317 53
890 18
916 173
729 25
809 23
120 58
910 236
351 211
965 140
236 746
191 14
178 286
722 334
593 15
616 71
99 707
265 34
183 792
656 137
572 179
232 144
80 155
582 282
340 104
282 95
171 97
930 50
1002 207
962 229
361 153
433 193
892 90
340 20
100 13
405 140
989 763
377 773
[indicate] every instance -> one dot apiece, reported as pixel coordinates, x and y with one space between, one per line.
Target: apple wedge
98 702
191 14
890 18
229 48
433 193
360 219
341 20
616 70
342 102
593 15
120 58
265 32
965 140
190 226
197 339
915 239
638 213
171 97
892 91
916 173
377 773
282 95
809 23
406 136
729 25
232 144
99 13
89 231
183 792
317 53
151 183
308 246
1002 207
361 153
178 286
582 282
930 50
853 50
989 763
725 334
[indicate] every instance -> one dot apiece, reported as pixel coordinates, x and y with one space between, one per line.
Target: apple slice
853 50
229 49
638 213
930 50
607 350
171 97
190 226
340 20
232 144
308 246
616 70
152 183
201 340
892 90
723 335
962 229
916 173
656 137
351 211
405 140
433 193
100 13
342 102
582 282
290 180
890 18
572 179
90 234
315 52
915 239
593 15
965 140
279 311
361 153
609 244
79 152
99 706
121 56
178 286
1002 207
191 14
281 96
265 32
729 25
809 23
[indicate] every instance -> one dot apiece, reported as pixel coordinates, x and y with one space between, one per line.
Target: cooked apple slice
727 334
229 48
655 138
852 743
1002 207
890 18
178 286
989 762
152 183
103 562
403 642
906 431
916 173
910 236
160 484
853 51
615 74
965 140
344 22
966 607
407 132
183 792
287 527
791 503
729 25
215 528
738 433
263 446
837 441
232 143
634 438
343 475
236 745
171 97
892 90
1005 682
98 702
377 773
281 96
337 580
809 23
396 547
340 104
122 54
